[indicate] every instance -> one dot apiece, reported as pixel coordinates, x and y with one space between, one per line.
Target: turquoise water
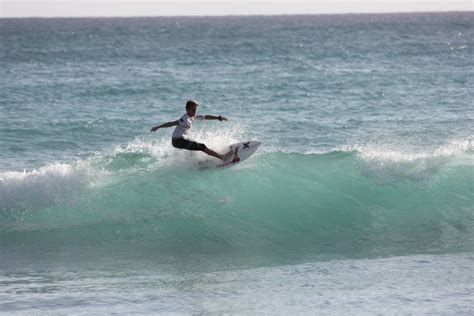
360 199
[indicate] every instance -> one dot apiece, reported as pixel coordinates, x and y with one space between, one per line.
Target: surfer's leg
202 147
192 145
212 153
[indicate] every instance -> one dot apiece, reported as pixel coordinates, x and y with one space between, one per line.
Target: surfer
180 140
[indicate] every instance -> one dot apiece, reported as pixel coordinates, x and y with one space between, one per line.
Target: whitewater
360 199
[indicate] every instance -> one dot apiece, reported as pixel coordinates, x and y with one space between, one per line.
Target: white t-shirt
184 125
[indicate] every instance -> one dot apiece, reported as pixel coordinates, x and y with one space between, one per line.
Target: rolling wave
359 201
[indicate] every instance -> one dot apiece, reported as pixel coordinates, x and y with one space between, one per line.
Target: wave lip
41 187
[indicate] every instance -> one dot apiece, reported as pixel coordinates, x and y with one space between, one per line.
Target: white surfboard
240 152
237 153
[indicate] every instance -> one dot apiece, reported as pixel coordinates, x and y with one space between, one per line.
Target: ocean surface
360 199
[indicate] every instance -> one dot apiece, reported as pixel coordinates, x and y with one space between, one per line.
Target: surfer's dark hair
190 103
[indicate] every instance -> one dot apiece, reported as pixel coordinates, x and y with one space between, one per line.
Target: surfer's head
191 107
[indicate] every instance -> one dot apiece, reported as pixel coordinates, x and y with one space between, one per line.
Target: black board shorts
182 143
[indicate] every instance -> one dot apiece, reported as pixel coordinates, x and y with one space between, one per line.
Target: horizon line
236 15
182 8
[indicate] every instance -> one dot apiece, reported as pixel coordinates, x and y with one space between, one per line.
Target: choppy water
361 198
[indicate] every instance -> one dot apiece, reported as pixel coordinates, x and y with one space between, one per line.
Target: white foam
456 147
390 165
40 187
383 153
398 153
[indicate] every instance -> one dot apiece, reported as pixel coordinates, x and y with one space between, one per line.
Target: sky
110 8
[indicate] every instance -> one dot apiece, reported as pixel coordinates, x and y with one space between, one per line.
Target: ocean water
360 199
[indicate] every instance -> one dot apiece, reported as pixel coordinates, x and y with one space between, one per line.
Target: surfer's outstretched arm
213 117
169 124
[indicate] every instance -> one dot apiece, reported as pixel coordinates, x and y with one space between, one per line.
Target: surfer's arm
169 124
213 117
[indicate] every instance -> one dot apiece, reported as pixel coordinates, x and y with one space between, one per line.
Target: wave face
354 203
